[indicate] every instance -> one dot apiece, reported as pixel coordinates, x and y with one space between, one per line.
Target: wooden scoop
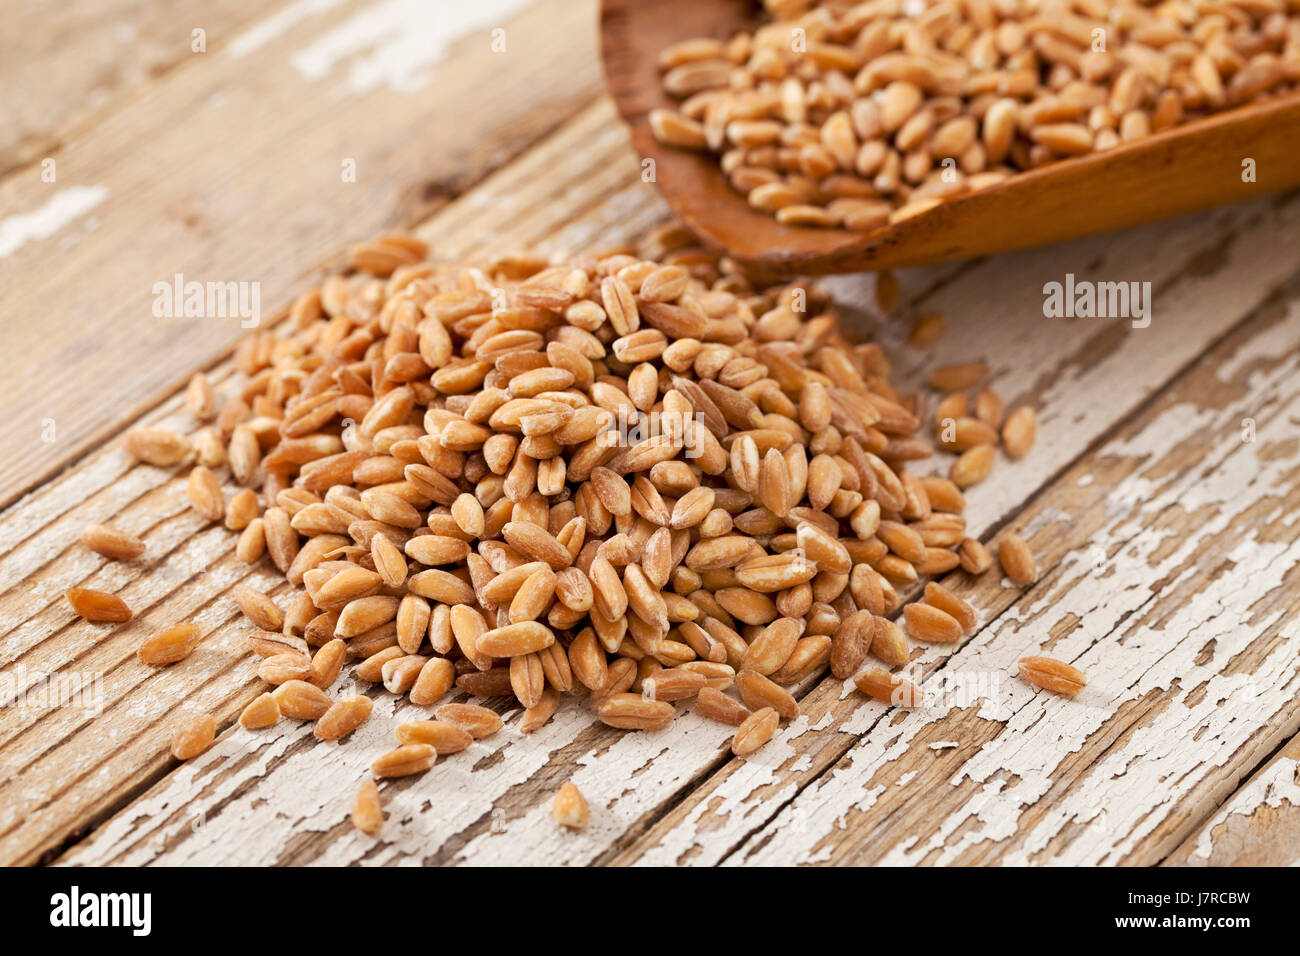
1178 170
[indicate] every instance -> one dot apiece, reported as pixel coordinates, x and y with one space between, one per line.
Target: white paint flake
393 44
273 26
1274 787
1129 791
60 209
288 797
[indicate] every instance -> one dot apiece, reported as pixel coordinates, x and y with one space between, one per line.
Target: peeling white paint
394 43
252 813
58 211
630 776
1274 787
1127 792
256 37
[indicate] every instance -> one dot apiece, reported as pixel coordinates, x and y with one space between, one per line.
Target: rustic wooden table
1162 497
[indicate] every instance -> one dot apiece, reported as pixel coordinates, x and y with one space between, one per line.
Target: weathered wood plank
56 776
1259 825
565 187
1169 570
460 812
69 761
240 170
66 68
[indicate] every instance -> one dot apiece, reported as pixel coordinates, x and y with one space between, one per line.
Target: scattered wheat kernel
1051 674
449 511
112 542
1017 559
367 809
570 807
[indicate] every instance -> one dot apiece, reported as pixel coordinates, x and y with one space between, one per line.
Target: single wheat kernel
570 807
367 809
112 542
1051 674
1017 560
194 738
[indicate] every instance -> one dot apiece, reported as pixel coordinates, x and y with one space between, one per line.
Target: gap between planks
806 807
582 176
1259 825
40 532
517 781
592 229
254 207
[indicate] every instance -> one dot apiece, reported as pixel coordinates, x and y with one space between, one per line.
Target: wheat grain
342 717
888 688
112 542
260 610
716 705
169 645
888 643
300 700
570 807
885 111
367 809
98 606
954 378
404 761
955 607
758 692
926 330
252 542
242 509
445 737
327 662
756 730
287 666
1019 431
156 446
194 738
1051 674
932 624
204 491
634 712
477 721
1017 560
974 557
773 647
262 711
200 399
453 504
270 643
973 466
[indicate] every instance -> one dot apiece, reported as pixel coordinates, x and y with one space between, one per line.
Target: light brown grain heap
632 478
853 114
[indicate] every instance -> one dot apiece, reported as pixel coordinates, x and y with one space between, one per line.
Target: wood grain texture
1158 577
67 68
234 173
1259 825
1182 615
1189 167
492 804
57 775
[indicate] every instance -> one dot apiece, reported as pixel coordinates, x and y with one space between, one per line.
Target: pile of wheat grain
632 479
856 114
